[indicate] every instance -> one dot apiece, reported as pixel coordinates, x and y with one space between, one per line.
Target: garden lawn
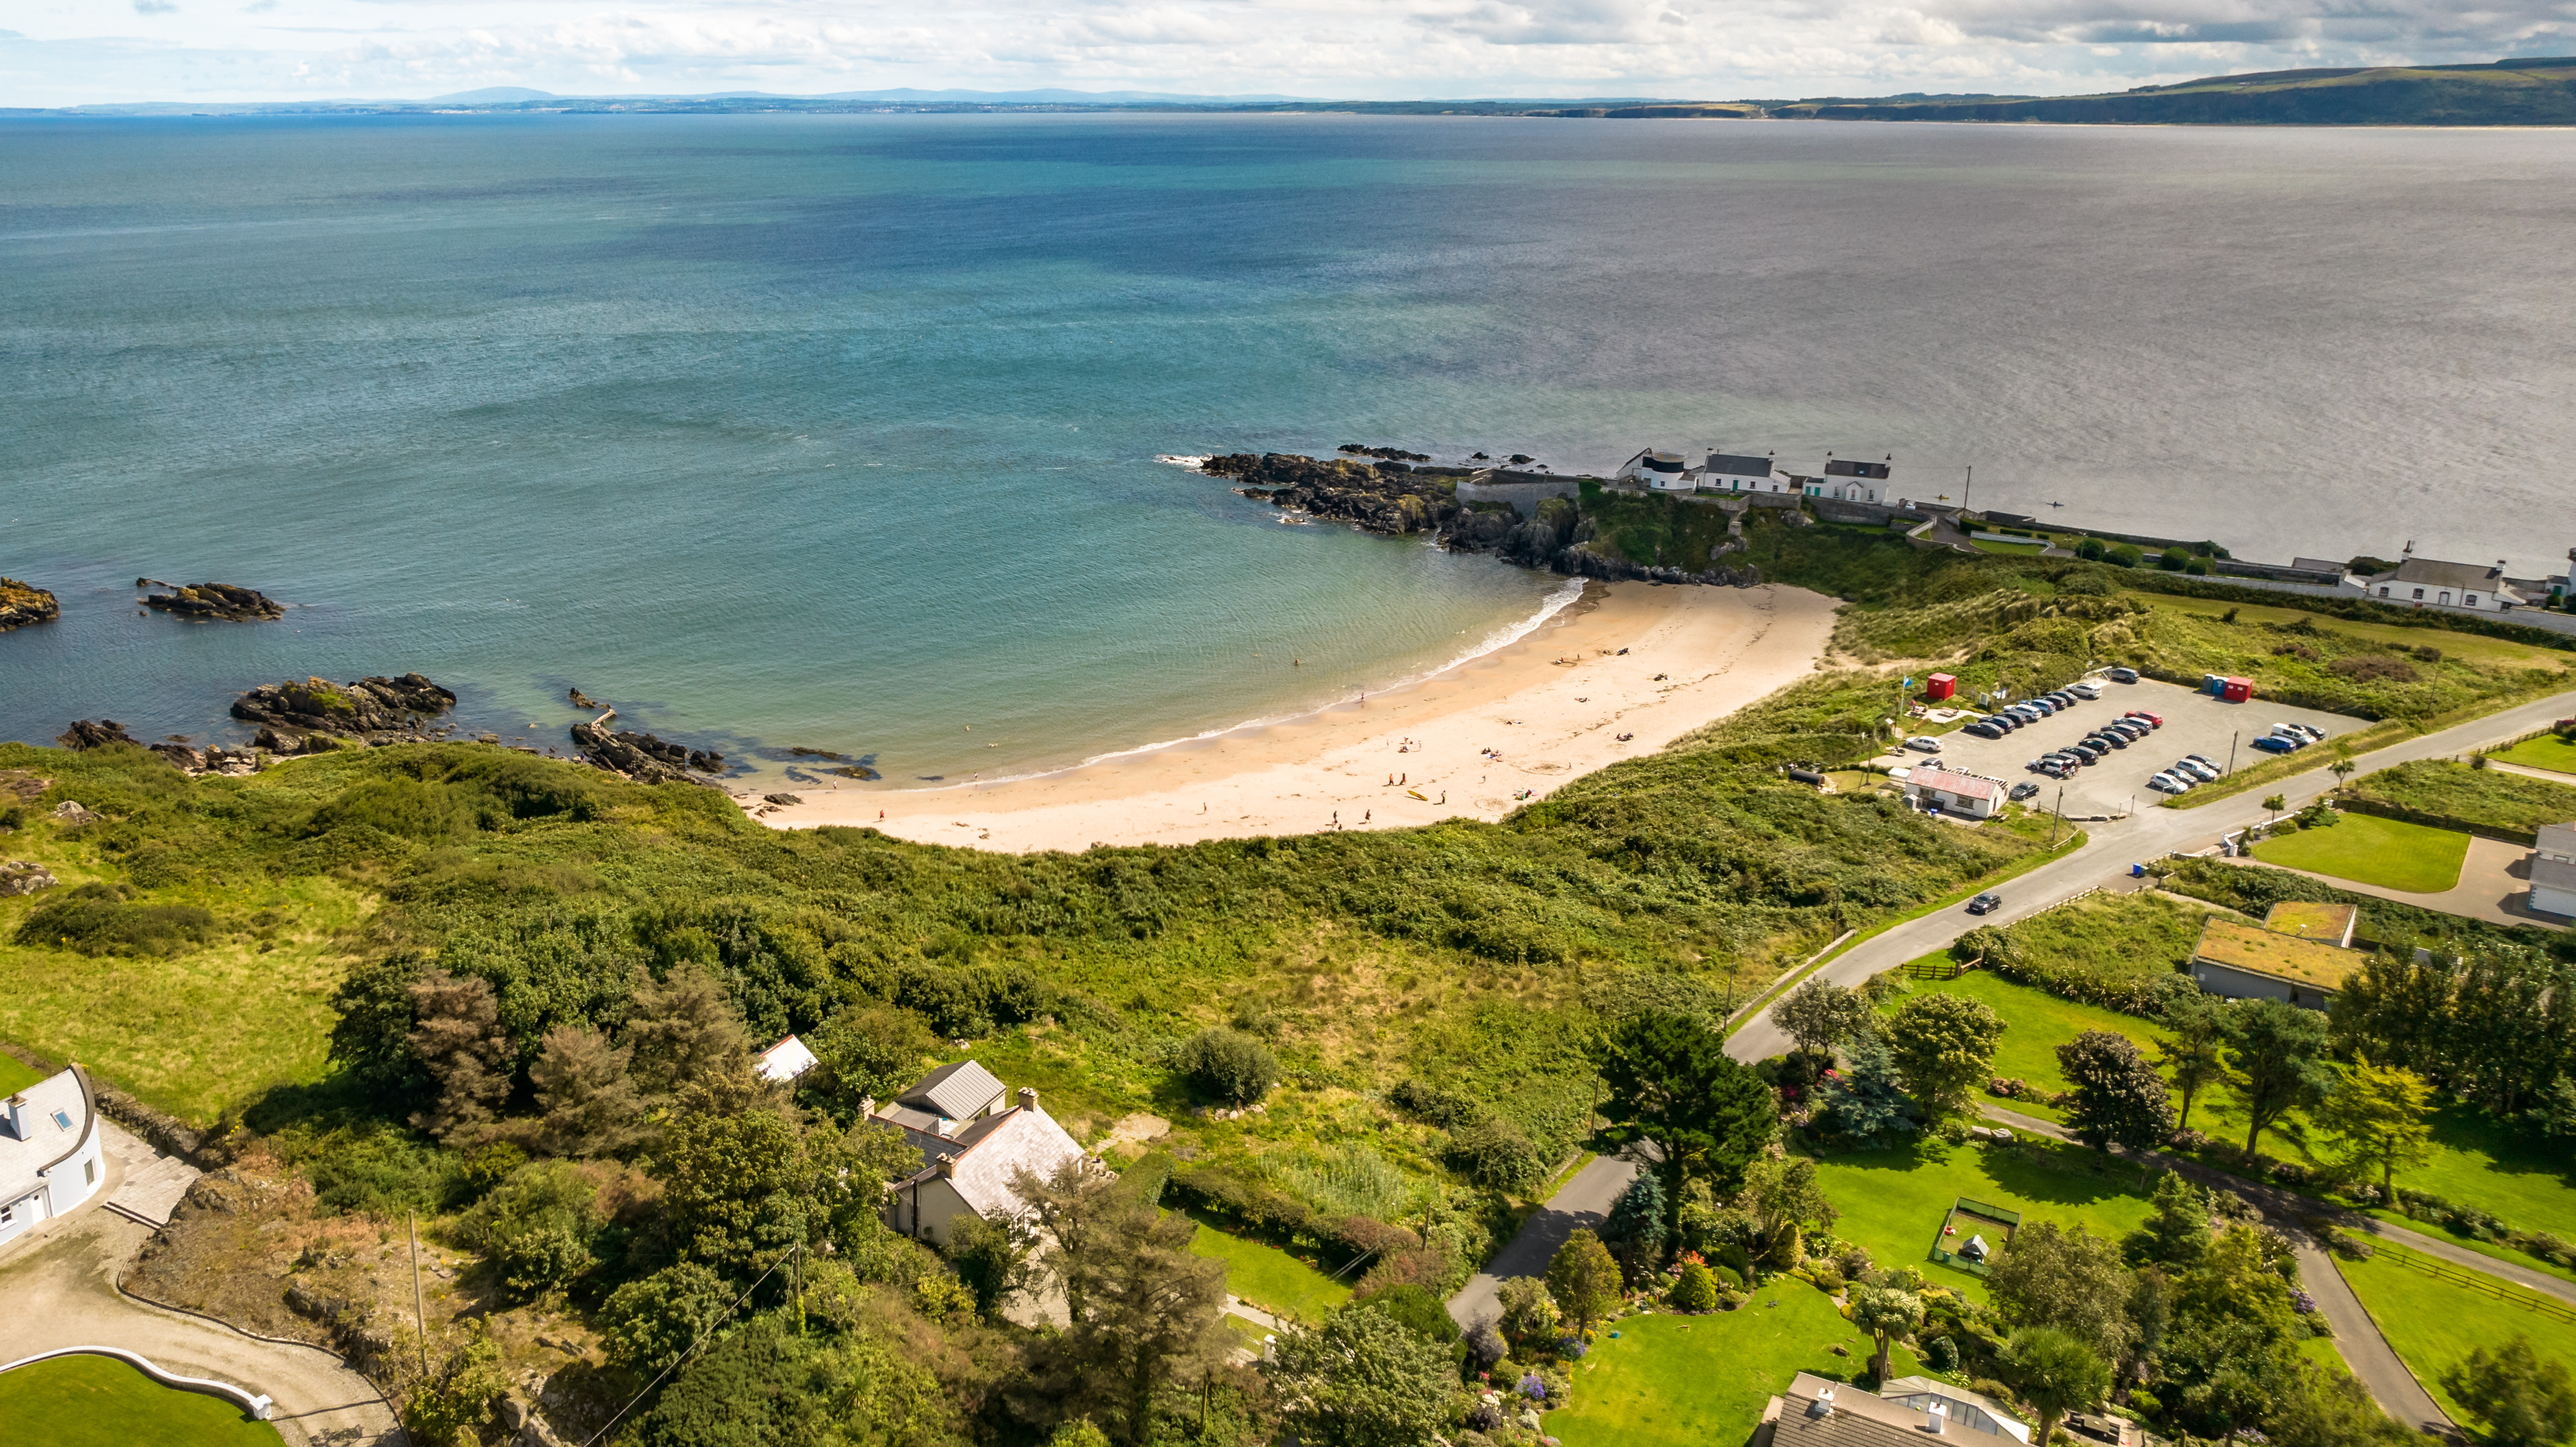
2035 1024
16 1076
1692 1380
2440 1232
2434 1324
2450 791
2545 752
1894 1201
2370 850
90 1401
2513 1171
1270 1278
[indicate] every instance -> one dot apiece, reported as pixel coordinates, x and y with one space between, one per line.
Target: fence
1940 969
2009 1220
2477 1281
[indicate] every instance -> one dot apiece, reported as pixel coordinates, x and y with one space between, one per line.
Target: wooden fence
2477 1281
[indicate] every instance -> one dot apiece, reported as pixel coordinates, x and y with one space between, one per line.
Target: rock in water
583 700
88 734
183 758
25 603
376 709
20 876
215 600
641 757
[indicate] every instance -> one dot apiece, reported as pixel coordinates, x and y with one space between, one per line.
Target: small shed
2247 961
786 1060
1929 786
2237 690
1941 688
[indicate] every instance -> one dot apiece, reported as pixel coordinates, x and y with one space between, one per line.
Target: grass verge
2433 1324
2367 849
1269 1278
2548 751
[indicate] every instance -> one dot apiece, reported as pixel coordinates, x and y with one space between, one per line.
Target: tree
1636 1230
1671 1081
1228 1066
864 1053
767 1383
1782 1195
682 1030
2330 1409
373 1034
2273 804
991 1257
2276 1053
2196 1052
1943 1045
1363 1380
1886 1314
2380 1117
456 1034
1529 1313
2066 1279
744 1182
649 1322
1584 1280
2523 1400
590 1104
2056 1373
1145 1310
2343 765
2176 1233
1865 1101
454 1404
2119 1098
1820 1016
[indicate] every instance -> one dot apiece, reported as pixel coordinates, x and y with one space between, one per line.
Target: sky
71 52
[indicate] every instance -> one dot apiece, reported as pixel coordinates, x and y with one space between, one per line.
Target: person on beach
1444 796
1367 814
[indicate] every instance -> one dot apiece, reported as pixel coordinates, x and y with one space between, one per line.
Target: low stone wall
1524 497
1867 514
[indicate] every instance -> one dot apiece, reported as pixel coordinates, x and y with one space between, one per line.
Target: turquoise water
841 431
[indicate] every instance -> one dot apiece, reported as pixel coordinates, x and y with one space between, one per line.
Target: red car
2154 721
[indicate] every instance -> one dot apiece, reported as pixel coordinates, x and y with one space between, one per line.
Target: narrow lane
1584 1202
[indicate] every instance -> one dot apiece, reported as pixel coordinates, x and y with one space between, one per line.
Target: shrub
96 919
1828 1280
1941 1354
1696 1290
1418 1310
1229 1066
1497 1153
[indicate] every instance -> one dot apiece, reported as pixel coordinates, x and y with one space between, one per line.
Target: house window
2469 600
89 1173
2419 595
2383 591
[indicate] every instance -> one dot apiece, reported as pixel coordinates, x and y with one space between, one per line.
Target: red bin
2238 690
1941 688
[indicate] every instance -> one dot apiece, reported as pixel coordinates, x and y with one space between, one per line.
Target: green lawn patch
1692 1380
2450 791
1894 1201
15 1075
2433 1323
2370 850
2035 1024
2548 751
88 1401
2508 1168
2441 1232
1986 545
1270 1278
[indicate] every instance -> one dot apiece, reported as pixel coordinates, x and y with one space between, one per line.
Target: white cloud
99 50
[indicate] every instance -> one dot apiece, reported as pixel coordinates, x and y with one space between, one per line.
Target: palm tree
2273 806
2342 767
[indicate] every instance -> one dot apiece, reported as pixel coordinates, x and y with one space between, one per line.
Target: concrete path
2494 885
1585 1202
2374 1363
2148 835
62 1292
2551 776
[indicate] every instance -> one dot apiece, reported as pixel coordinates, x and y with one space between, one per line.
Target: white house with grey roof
2553 870
1734 472
49 1150
970 1173
2426 583
1852 480
1662 471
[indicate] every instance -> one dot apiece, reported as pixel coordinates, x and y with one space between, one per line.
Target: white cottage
1662 471
1734 472
49 1150
2424 583
970 1173
1852 481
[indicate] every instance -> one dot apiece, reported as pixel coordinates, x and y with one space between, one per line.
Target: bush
1941 1354
1416 1309
1498 1154
1695 1290
1229 1066
96 919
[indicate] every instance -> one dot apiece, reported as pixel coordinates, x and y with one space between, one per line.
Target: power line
693 1347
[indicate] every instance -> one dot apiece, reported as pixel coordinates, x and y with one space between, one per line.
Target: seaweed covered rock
94 733
222 601
25 603
376 709
1385 499
641 757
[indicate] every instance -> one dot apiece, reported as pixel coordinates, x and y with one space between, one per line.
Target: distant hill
491 95
2520 92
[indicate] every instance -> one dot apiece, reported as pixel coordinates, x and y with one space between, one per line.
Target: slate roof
994 1150
2429 573
1736 464
2556 841
1844 467
58 1115
1849 1417
954 1092
2549 873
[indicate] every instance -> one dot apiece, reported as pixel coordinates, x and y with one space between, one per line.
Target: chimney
948 1168
17 1117
1936 1418
868 1106
1823 1406
1029 1098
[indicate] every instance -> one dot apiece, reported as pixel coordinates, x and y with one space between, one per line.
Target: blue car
2271 744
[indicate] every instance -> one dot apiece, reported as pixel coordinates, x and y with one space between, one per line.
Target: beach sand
1553 706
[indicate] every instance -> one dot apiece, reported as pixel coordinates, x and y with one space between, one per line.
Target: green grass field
2440 1232
2545 752
2376 851
1690 1380
2450 790
1986 545
1894 1201
102 1402
15 1077
1270 1278
2035 1024
2434 1324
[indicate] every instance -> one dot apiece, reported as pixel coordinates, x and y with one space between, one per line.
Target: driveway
61 1291
1584 1203
2148 835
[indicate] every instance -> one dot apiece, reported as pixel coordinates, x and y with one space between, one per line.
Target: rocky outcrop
222 601
379 710
213 759
22 876
94 733
641 757
71 815
25 603
274 742
1387 499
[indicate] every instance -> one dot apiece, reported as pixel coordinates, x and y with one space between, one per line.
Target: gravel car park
2192 723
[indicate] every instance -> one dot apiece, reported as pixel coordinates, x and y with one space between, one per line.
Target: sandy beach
1622 672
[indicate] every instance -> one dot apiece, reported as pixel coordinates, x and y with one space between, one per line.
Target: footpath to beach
1554 706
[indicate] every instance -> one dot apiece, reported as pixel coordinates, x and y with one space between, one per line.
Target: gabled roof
1966 786
786 1060
1844 467
997 1148
1740 464
954 1092
2427 572
1817 1412
58 1113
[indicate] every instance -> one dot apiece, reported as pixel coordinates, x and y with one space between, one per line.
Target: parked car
2311 734
2127 728
2196 769
2088 751
2291 737
1986 903
2062 699
2202 759
2085 690
1983 730
2114 738
2151 720
1924 744
2167 783
2274 744
2124 675
2045 706
2023 790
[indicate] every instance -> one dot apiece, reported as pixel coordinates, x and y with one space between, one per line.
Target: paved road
2374 1363
2149 834
1585 1202
62 1292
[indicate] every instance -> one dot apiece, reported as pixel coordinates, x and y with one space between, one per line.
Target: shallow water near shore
841 431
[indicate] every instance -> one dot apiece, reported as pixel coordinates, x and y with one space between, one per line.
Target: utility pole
419 1311
2059 818
2231 749
1967 488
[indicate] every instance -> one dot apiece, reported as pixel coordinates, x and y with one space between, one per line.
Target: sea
845 433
